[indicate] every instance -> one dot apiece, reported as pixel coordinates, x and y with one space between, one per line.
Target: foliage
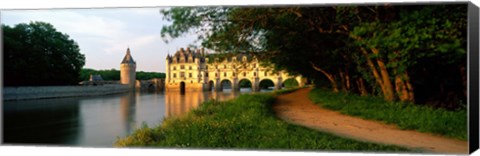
377 50
36 54
291 82
404 115
243 123
114 74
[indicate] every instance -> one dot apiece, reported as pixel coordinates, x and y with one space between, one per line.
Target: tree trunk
328 75
361 87
373 69
381 75
389 94
343 81
404 88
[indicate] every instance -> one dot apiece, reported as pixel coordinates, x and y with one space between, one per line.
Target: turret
127 70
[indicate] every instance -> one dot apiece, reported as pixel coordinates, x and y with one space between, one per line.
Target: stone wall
22 93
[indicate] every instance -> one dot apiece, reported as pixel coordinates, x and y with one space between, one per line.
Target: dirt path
298 109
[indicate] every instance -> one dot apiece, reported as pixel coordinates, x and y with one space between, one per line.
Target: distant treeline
114 74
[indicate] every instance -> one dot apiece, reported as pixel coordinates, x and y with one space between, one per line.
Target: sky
104 35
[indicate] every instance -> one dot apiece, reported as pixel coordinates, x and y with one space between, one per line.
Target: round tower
127 70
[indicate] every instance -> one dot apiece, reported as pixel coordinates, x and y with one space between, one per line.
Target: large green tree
379 49
36 54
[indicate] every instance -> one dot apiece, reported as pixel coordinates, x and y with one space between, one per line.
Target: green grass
246 122
404 115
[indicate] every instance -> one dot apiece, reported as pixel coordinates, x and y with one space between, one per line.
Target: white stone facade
191 70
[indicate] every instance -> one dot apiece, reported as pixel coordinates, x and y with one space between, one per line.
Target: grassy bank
246 122
405 116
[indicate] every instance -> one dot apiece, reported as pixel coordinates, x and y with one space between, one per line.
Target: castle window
233 74
182 67
216 75
182 74
254 65
190 67
224 66
189 74
266 74
206 74
174 75
174 68
225 74
244 74
254 73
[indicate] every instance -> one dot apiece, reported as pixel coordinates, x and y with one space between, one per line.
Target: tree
36 54
375 50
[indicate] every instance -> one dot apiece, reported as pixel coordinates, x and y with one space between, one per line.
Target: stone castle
191 70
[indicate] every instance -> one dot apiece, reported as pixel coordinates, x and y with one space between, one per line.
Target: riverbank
246 122
44 92
297 108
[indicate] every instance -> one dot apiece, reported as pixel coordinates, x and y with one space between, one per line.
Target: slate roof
128 58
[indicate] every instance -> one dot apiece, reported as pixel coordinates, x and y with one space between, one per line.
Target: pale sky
104 35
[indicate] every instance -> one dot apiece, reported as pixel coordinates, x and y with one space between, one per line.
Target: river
95 121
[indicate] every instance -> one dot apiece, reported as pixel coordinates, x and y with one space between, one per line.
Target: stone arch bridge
192 70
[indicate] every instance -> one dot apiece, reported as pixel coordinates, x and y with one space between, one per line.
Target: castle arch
182 87
245 84
266 83
226 84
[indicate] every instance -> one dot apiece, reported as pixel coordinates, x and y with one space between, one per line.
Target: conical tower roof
128 58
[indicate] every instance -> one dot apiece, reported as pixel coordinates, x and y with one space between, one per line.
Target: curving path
297 108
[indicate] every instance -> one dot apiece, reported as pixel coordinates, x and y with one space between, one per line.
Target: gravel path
297 108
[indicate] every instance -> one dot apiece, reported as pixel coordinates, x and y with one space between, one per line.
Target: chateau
191 70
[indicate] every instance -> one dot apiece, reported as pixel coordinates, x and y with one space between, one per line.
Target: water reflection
177 104
127 109
51 122
95 121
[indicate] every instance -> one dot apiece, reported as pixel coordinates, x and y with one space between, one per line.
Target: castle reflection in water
177 104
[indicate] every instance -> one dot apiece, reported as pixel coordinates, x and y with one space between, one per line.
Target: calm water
95 121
